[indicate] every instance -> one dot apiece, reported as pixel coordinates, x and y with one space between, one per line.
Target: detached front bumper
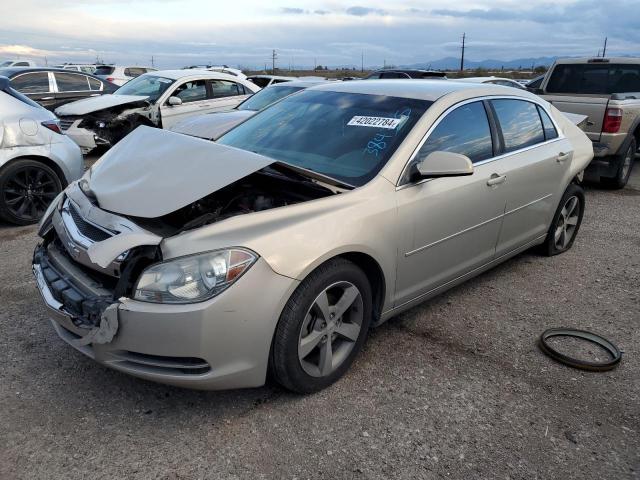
222 343
85 138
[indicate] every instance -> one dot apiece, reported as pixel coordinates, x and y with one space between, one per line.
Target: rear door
38 86
534 160
195 101
72 87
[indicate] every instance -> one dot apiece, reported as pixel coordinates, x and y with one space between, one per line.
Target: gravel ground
454 388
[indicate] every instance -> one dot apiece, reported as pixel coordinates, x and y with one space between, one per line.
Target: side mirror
443 164
175 101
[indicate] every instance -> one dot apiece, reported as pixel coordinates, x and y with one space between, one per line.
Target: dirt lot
455 388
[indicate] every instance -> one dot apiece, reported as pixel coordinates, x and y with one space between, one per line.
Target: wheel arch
374 272
42 159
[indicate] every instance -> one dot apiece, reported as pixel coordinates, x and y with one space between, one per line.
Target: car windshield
345 136
266 97
150 86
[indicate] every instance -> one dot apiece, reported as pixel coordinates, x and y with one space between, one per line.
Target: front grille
65 123
87 229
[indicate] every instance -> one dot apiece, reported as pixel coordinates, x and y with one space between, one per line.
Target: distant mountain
450 63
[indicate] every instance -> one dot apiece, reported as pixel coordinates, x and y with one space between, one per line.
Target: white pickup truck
607 90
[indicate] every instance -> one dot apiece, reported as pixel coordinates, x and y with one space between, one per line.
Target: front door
453 223
195 101
37 86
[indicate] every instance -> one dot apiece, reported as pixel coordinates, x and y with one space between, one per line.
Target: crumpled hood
153 172
94 104
213 125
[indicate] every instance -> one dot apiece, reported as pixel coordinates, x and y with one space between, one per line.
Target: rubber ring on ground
616 354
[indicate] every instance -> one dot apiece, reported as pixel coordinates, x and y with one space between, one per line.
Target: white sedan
157 99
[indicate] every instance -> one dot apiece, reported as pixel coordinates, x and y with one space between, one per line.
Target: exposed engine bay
271 187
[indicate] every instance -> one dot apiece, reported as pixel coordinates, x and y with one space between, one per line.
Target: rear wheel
322 328
27 187
625 165
566 221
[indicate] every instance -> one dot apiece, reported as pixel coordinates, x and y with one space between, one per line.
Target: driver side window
193 91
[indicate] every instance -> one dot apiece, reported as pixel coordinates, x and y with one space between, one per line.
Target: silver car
207 265
36 160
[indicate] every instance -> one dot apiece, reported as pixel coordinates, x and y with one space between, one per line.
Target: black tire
286 367
551 245
625 163
27 187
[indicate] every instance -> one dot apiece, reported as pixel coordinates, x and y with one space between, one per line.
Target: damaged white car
156 99
36 160
206 265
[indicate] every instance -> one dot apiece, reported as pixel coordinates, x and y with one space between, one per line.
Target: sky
332 32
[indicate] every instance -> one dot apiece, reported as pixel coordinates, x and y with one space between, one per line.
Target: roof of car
12 71
408 88
299 83
481 79
599 60
275 77
177 74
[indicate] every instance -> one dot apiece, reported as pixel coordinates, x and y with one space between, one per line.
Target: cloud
363 11
292 11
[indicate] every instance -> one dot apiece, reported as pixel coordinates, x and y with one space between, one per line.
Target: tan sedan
206 265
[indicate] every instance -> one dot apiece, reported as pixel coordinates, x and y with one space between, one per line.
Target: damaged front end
105 230
88 260
106 127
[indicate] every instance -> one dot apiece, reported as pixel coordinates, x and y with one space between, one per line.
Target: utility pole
464 36
362 62
315 63
152 64
274 56
384 63
604 50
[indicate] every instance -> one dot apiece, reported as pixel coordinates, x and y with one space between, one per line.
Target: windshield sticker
375 122
377 144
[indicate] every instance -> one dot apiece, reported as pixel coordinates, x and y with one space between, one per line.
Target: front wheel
566 221
322 327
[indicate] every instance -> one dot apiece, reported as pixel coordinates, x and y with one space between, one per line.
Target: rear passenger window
550 131
520 123
70 82
465 130
191 91
224 88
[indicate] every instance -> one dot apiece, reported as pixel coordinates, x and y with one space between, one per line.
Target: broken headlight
193 278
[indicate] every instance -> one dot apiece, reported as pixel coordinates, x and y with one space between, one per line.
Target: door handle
204 106
496 179
562 156
46 98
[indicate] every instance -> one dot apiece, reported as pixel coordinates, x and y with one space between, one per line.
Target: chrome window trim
561 136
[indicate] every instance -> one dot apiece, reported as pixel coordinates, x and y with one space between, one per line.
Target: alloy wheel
28 192
567 223
330 329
